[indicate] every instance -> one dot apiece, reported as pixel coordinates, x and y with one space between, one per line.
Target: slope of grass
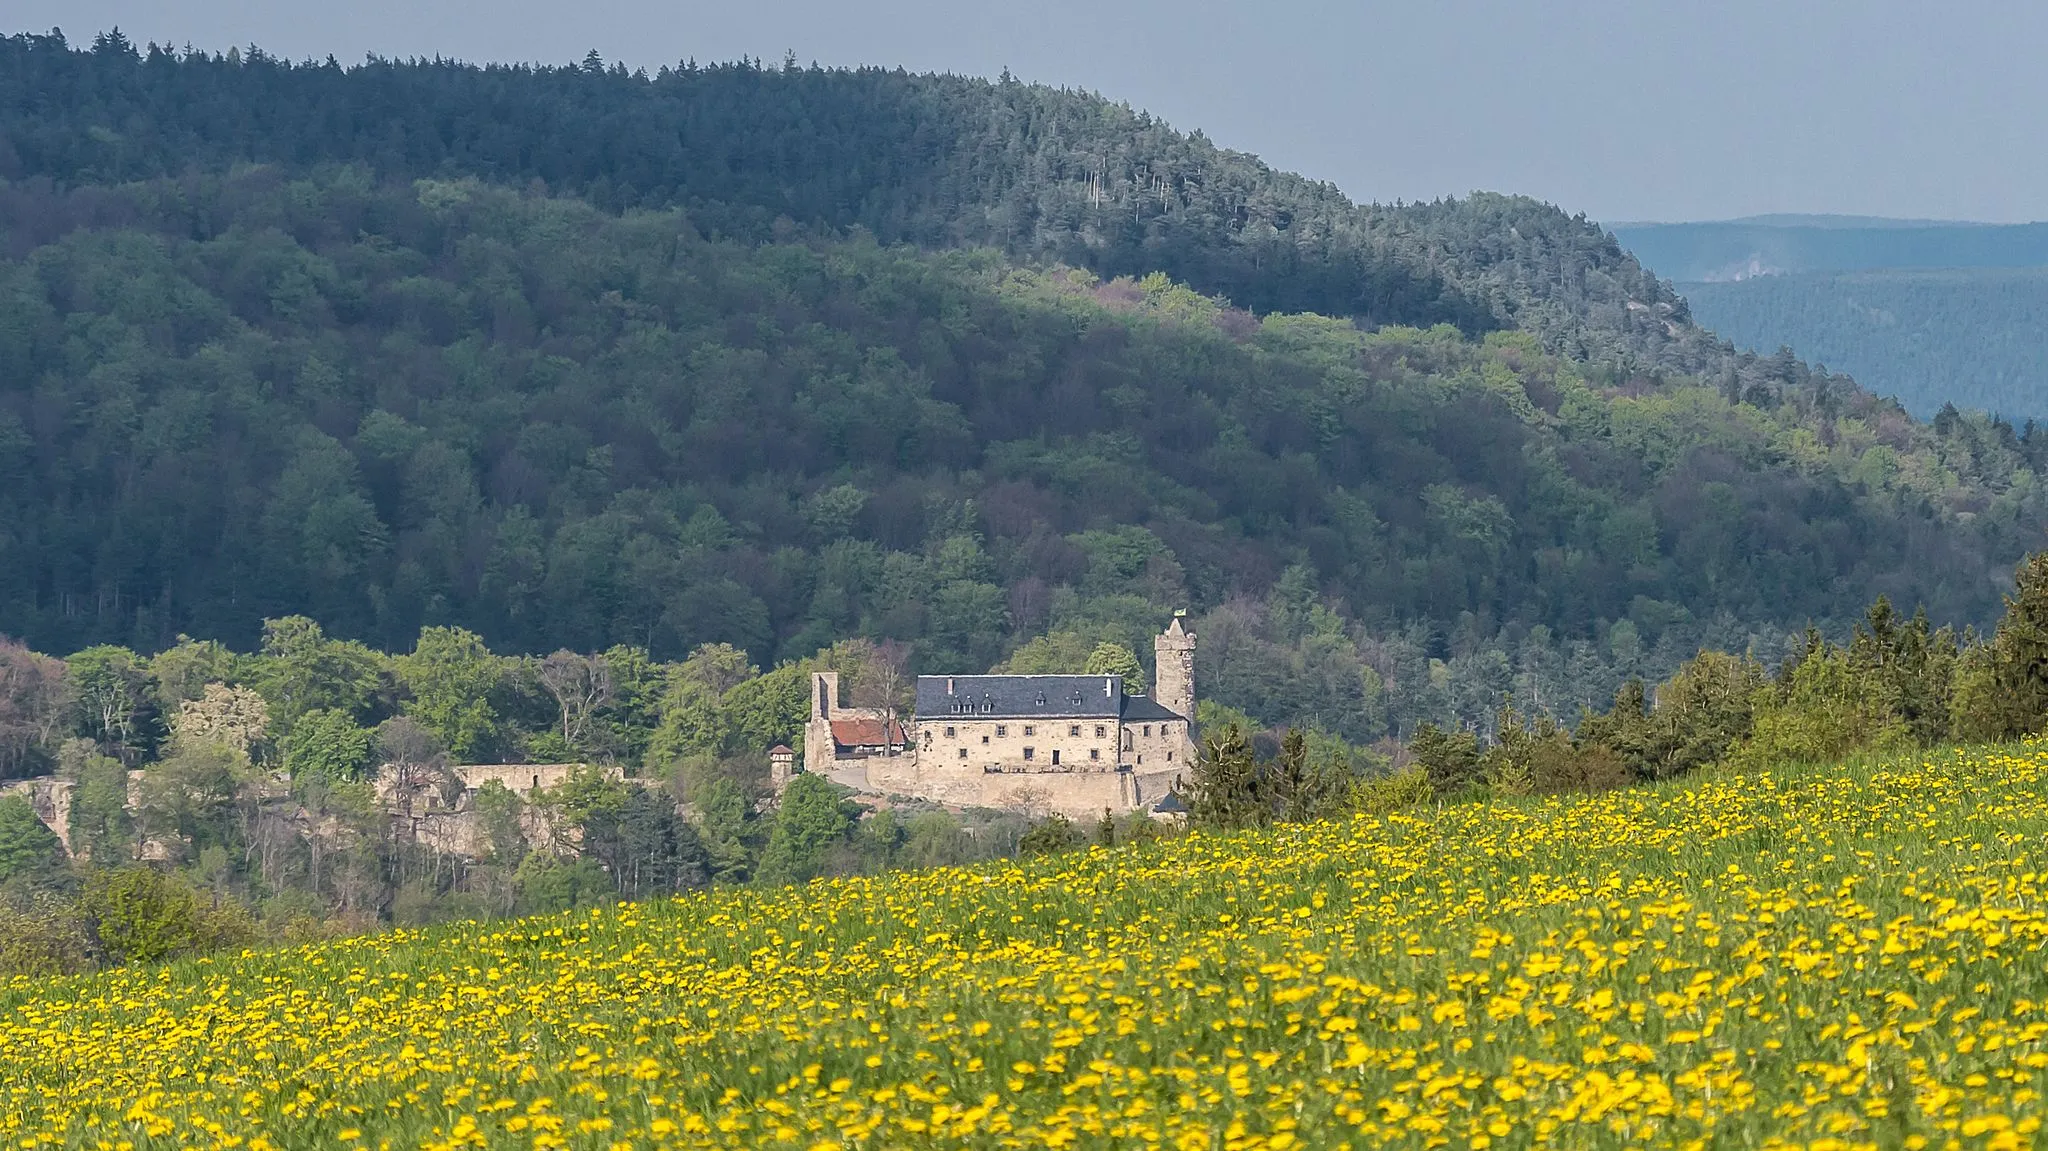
1847 953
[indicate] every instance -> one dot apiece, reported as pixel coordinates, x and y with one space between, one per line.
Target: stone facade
433 807
439 810
1072 744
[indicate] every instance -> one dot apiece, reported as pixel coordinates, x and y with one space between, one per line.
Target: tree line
218 797
1897 684
257 816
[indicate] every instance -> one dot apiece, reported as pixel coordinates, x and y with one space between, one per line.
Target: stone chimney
1173 683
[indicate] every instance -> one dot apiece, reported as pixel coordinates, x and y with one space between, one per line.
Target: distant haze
1932 312
1767 246
1625 111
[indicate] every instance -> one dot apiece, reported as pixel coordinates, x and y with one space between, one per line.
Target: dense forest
279 340
1971 337
225 399
754 153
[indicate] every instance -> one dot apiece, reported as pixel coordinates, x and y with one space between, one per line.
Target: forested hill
939 161
229 398
775 357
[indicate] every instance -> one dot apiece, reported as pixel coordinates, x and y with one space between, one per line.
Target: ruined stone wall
51 799
523 779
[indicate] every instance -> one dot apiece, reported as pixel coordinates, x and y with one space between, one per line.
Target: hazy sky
1644 110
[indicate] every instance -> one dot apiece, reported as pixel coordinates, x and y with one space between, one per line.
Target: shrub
1050 836
141 915
1385 794
45 938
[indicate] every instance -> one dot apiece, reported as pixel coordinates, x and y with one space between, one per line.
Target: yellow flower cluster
1851 957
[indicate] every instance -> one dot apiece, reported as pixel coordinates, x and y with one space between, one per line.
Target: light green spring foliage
452 676
1774 958
329 745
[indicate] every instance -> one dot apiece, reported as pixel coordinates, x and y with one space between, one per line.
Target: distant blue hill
1973 337
1929 311
1778 245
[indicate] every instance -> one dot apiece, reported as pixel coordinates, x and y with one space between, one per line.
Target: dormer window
1041 699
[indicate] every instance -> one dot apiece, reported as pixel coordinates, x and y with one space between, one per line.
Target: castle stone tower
1174 683
818 732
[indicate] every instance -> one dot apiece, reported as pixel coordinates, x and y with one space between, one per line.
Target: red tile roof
867 733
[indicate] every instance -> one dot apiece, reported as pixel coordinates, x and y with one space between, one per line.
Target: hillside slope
1663 967
222 400
810 353
939 161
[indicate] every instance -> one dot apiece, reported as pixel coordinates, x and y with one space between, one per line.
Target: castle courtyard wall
1076 794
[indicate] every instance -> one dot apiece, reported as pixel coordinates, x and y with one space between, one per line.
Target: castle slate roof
1034 696
1145 709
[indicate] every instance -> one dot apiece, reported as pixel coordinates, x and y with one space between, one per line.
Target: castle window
1148 729
984 741
1073 729
1141 759
1055 757
1169 757
1099 731
949 733
1030 753
1094 753
1001 729
1166 729
1030 730
963 753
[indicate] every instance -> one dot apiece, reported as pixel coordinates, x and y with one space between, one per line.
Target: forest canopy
576 357
388 407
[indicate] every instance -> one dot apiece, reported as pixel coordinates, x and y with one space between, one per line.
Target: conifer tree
1225 793
1449 759
2019 655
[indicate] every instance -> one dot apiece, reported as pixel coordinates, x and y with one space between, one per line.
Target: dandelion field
1829 957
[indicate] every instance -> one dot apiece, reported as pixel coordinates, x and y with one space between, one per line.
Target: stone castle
1071 744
